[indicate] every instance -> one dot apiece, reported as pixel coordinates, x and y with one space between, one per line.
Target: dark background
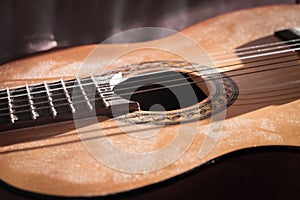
38 25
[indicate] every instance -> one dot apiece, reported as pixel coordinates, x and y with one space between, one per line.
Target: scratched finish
52 159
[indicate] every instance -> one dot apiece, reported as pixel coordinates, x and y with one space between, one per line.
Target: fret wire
62 104
34 114
67 96
89 105
12 117
106 104
50 100
54 89
55 100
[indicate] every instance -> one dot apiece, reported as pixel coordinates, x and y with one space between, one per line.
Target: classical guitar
80 122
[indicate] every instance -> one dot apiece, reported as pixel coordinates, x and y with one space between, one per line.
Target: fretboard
46 103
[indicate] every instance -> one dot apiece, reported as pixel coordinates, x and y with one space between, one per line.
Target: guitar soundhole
170 90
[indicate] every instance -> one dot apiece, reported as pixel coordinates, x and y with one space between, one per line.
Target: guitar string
254 47
91 83
164 76
260 50
210 54
82 101
247 57
210 69
253 98
263 102
221 61
246 48
125 88
154 89
241 69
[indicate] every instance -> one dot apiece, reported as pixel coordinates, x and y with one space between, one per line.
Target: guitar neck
46 103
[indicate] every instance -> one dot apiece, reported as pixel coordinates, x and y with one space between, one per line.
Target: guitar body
53 160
